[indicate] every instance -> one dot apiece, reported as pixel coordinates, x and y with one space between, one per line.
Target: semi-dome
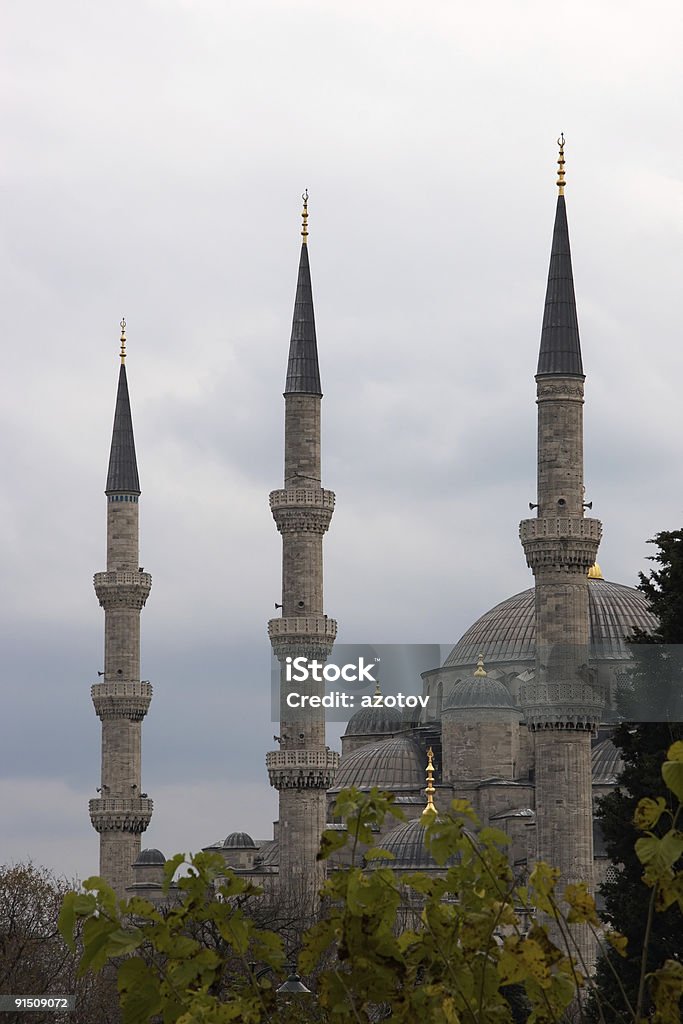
606 763
507 633
374 722
151 856
239 841
392 764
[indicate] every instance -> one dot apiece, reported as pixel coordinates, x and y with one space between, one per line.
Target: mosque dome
151 856
392 764
374 722
606 763
507 633
268 855
239 841
407 843
480 691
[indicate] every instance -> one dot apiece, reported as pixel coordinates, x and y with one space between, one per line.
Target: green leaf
123 940
139 989
648 812
67 920
331 841
672 773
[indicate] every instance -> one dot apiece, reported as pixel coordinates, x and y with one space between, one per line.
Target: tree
34 959
468 945
651 705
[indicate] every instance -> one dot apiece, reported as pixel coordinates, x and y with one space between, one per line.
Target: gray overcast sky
154 154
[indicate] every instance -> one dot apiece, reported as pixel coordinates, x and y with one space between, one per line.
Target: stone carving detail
547 390
562 542
302 769
122 700
118 815
122 589
298 510
307 636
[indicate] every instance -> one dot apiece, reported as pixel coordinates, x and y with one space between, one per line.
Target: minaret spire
303 768
560 352
303 373
563 702
122 811
122 476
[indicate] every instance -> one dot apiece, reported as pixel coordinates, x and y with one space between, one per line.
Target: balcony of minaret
302 509
128 700
302 769
118 814
309 636
122 589
568 543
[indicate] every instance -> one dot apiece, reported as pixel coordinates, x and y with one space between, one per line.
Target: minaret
562 704
303 769
122 812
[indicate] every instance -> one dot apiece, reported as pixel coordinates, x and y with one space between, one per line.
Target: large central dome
507 633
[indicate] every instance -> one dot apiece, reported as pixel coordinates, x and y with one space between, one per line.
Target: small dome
392 764
606 763
407 843
481 691
150 857
239 841
374 722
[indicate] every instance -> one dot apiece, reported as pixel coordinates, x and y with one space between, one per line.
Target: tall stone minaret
562 704
303 768
122 812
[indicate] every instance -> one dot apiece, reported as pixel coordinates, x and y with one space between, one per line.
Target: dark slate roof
303 374
392 764
239 841
123 467
606 763
507 633
151 856
482 692
374 722
560 353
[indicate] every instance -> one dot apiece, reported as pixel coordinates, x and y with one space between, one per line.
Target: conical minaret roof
303 373
122 475
560 353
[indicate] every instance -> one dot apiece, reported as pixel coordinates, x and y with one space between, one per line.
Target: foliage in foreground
652 705
439 950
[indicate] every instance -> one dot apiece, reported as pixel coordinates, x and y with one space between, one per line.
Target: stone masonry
563 703
302 770
122 812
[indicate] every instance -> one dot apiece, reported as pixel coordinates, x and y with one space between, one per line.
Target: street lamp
293 985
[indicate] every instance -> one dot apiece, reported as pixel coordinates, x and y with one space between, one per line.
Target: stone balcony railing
129 700
302 769
122 589
119 814
300 510
316 497
310 635
563 542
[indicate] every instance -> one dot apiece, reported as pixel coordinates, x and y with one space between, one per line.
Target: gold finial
304 218
123 340
560 164
430 791
480 671
595 572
